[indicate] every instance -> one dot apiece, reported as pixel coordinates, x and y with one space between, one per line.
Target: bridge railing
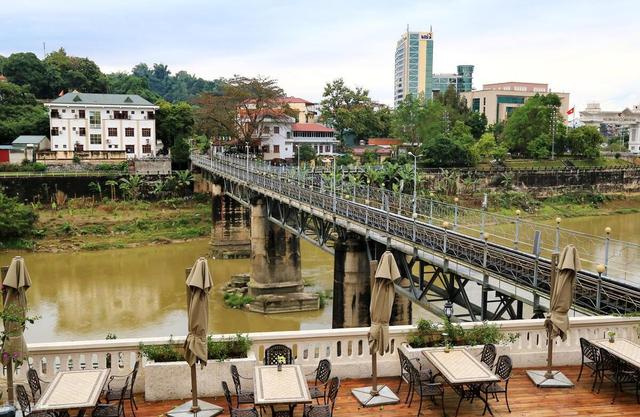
620 258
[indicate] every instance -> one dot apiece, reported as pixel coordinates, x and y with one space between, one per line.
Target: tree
243 109
444 151
486 147
123 83
183 180
307 153
345 159
96 187
532 122
20 113
351 110
369 157
131 186
585 141
173 122
112 184
16 219
180 152
75 73
408 118
477 122
25 69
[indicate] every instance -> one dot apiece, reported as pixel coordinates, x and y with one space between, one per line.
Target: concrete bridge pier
351 283
229 232
276 281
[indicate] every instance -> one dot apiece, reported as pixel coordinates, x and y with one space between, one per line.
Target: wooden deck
525 400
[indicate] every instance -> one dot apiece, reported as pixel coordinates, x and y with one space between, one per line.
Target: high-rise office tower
414 65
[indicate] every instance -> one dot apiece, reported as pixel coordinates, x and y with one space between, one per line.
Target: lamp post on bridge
334 183
247 147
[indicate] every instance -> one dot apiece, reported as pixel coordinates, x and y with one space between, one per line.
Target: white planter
476 351
172 380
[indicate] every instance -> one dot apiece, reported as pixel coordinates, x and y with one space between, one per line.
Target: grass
558 163
84 224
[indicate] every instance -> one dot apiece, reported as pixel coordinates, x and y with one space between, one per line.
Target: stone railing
347 349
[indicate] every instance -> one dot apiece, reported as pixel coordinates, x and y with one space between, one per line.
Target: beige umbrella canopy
562 292
382 296
15 286
195 346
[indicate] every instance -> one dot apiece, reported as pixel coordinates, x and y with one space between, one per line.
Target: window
276 130
73 111
129 148
129 132
54 131
276 148
94 119
146 148
81 114
122 115
55 114
327 148
82 131
95 139
146 132
288 135
78 147
266 130
265 148
151 115
112 131
64 111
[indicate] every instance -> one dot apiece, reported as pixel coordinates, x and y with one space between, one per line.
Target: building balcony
348 352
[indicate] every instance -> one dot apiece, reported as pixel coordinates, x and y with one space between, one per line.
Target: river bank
88 224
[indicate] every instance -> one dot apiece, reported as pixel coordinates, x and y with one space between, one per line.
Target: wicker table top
280 387
73 389
459 367
622 348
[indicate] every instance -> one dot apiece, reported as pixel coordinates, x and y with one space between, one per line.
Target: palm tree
131 186
158 189
95 187
112 185
183 180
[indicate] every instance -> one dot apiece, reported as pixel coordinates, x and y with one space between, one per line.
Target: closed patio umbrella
563 282
195 346
382 296
14 287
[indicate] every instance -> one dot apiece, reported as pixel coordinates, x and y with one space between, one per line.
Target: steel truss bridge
439 261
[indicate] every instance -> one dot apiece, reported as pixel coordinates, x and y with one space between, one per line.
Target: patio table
463 372
285 387
622 348
73 389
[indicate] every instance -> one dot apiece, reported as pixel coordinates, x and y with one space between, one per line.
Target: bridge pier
351 283
230 238
276 280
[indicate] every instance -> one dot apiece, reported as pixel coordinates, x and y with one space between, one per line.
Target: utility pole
552 118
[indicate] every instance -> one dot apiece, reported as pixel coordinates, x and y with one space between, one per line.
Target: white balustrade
347 349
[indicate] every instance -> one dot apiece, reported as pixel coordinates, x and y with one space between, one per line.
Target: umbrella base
385 396
206 410
558 380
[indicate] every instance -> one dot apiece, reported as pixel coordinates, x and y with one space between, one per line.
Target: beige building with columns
497 101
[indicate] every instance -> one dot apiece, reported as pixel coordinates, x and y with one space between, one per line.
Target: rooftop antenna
44 50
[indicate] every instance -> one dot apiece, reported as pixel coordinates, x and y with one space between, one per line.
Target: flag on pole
571 110
61 93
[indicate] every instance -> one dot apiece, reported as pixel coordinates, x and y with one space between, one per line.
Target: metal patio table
73 390
622 348
286 387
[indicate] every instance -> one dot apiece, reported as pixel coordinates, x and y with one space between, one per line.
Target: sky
590 49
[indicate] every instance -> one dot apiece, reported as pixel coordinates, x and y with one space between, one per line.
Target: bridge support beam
230 237
276 280
351 283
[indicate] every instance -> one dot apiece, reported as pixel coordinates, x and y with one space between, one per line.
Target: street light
247 147
415 180
334 183
448 309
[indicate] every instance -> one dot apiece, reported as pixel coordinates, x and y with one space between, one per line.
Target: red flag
571 110
61 93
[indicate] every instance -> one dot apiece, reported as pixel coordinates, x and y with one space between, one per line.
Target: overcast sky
590 49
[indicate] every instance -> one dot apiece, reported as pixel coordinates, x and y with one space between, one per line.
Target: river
139 292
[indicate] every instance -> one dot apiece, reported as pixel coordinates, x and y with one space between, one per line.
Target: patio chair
237 412
25 404
35 384
488 355
322 373
326 409
242 396
424 389
590 358
606 367
113 410
503 370
623 373
272 352
405 372
112 392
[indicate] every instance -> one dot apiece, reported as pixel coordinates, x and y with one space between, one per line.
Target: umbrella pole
549 374
10 382
374 369
194 390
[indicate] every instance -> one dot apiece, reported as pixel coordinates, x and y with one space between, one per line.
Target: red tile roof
310 127
383 141
295 100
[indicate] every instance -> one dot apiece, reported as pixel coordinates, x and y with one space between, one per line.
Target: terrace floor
525 400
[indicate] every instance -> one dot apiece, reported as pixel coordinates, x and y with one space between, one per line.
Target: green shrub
236 300
429 334
16 219
94 229
235 347
162 353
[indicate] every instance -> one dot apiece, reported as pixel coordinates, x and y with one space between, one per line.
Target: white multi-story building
615 122
275 137
320 137
81 122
